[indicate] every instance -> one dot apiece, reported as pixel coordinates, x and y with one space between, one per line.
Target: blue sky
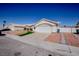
67 14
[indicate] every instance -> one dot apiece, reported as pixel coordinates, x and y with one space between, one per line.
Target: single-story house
44 26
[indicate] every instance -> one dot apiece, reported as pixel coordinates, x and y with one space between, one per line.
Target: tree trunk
0 32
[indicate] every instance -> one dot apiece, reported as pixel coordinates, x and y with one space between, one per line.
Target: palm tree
4 23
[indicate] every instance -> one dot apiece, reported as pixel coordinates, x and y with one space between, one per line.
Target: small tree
77 25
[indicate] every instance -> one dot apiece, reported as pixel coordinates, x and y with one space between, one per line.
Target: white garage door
44 28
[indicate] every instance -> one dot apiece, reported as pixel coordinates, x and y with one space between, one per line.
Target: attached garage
44 28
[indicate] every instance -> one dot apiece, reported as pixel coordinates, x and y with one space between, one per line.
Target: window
24 28
31 29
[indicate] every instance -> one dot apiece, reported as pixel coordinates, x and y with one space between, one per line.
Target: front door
58 30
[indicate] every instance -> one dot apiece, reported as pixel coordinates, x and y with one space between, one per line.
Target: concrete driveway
36 36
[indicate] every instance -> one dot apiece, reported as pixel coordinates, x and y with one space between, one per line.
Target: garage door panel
43 29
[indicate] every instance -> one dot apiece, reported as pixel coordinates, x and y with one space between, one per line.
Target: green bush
27 33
